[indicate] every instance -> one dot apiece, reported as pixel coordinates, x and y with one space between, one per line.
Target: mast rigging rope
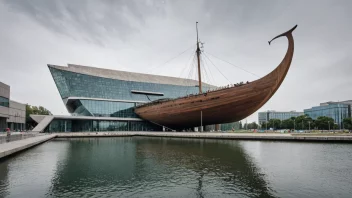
216 68
170 59
233 64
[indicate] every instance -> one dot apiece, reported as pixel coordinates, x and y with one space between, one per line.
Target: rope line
206 75
208 68
233 65
216 68
170 59
190 75
189 64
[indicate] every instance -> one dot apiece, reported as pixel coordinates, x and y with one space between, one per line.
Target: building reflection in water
30 173
4 179
223 160
158 167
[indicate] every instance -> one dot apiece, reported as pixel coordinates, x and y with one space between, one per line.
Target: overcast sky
140 36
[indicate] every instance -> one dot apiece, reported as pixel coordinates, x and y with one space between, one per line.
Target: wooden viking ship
225 105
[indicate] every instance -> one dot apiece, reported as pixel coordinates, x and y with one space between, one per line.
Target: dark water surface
165 167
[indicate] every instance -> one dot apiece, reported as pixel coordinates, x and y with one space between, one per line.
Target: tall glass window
110 108
59 125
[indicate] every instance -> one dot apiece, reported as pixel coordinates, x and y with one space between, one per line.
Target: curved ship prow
229 104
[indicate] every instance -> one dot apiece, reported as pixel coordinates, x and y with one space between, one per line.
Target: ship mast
198 57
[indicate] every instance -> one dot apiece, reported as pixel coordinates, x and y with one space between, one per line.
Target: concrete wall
17 116
4 90
14 116
4 111
17 112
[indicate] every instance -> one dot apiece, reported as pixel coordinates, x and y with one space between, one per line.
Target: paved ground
15 136
16 146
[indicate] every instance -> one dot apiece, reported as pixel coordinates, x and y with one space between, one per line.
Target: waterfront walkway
208 135
15 136
19 145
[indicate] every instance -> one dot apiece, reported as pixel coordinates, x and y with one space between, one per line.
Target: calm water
162 167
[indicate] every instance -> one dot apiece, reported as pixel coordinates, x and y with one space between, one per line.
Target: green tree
36 111
263 125
302 122
274 123
324 122
336 126
252 125
347 123
245 126
287 124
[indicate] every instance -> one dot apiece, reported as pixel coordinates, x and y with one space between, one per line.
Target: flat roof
128 76
38 118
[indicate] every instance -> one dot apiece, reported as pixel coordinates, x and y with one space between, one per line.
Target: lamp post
274 126
341 125
309 125
329 125
294 124
246 125
280 124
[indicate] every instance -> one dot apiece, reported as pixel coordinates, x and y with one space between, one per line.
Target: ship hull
220 106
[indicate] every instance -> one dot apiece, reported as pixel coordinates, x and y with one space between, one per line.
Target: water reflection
94 165
221 160
158 167
4 179
161 167
29 173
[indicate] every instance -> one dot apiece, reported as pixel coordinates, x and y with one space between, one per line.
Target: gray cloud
140 35
90 20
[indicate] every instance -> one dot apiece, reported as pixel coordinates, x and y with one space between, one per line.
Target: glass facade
13 126
61 125
5 102
72 84
268 115
336 111
109 108
262 117
230 126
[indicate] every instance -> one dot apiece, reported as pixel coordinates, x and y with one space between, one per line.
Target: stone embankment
232 136
12 147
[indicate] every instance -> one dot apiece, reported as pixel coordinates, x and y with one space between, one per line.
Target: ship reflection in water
165 167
